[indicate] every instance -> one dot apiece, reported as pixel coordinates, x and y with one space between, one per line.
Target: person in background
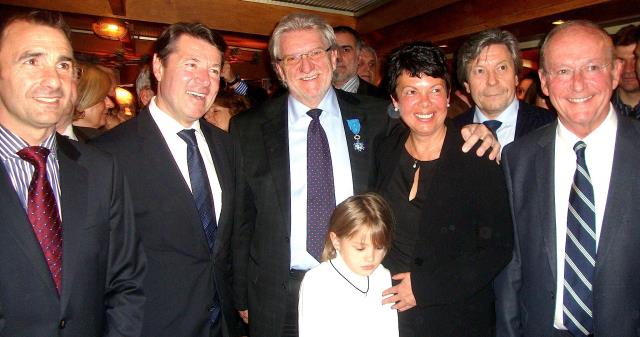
454 230
345 76
626 98
488 65
368 64
342 296
144 87
93 103
227 104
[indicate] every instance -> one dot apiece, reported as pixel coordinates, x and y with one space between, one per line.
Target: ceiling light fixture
111 29
558 22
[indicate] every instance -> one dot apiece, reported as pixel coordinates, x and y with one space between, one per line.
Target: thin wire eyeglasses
295 59
588 71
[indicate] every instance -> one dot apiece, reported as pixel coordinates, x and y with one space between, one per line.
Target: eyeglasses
588 71
294 59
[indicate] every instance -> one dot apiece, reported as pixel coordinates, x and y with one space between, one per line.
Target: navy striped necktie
580 250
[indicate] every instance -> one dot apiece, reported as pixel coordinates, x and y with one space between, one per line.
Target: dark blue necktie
580 250
493 125
321 199
201 191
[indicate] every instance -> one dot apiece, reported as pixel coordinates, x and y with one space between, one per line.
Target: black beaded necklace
353 285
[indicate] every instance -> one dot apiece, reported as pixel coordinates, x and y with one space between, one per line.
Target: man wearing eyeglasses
71 263
574 188
299 155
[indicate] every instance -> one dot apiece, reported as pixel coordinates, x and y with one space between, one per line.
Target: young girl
343 295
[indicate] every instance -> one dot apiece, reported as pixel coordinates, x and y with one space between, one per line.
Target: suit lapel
220 160
276 142
622 189
157 155
16 224
350 110
521 120
73 186
544 171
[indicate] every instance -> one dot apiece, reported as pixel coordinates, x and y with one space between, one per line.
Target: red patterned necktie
42 211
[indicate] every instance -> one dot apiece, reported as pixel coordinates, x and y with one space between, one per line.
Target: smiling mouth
196 94
425 116
310 77
579 100
47 99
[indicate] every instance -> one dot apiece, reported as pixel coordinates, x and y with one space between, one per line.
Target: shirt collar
166 122
508 117
601 135
328 105
11 143
351 85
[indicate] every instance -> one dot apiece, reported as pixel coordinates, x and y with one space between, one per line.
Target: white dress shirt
599 158
330 306
331 121
169 129
507 131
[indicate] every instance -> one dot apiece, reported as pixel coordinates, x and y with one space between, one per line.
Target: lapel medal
354 126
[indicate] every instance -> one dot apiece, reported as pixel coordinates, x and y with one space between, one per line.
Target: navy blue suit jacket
526 289
530 117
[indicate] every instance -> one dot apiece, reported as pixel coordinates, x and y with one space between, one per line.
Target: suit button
287 239
62 324
284 285
418 261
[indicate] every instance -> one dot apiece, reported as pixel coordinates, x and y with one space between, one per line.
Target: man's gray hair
144 79
472 48
296 22
569 24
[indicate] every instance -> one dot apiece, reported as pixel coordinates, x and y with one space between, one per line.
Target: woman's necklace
353 285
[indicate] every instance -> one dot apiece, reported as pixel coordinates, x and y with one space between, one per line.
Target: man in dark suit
71 263
572 186
345 76
488 66
180 169
278 168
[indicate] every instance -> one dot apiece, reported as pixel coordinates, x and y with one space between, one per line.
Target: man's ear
158 68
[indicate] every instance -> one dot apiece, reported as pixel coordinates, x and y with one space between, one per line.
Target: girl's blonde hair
365 211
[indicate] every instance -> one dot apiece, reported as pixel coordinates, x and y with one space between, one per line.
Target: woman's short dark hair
166 42
416 59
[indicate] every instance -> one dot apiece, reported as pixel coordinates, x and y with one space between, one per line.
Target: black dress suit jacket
179 283
464 238
368 89
525 299
263 223
530 117
103 263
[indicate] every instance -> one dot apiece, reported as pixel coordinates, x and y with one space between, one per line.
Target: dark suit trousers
293 293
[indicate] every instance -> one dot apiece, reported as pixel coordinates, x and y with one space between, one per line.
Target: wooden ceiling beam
397 11
118 7
468 17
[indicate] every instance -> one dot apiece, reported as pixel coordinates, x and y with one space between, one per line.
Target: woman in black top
453 231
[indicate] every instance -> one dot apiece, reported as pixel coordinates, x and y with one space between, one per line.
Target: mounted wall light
111 29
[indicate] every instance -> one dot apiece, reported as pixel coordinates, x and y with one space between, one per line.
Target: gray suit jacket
525 291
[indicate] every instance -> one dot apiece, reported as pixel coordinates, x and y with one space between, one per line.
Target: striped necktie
580 250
